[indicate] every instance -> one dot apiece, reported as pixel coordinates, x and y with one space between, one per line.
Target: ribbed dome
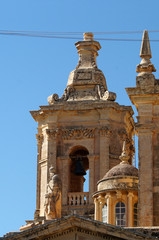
122 170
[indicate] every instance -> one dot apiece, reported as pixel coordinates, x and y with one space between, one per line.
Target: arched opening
78 168
120 217
105 213
135 214
86 182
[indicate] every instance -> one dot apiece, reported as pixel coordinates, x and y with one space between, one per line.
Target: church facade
86 130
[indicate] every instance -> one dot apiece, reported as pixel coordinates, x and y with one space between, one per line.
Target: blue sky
31 69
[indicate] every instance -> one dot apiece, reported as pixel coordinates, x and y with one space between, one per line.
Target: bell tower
83 130
145 97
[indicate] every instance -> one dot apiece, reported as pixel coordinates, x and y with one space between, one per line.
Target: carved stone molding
122 185
104 131
51 133
77 133
39 138
122 134
96 93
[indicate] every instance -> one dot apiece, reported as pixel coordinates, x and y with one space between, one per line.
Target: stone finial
88 51
124 157
88 36
145 65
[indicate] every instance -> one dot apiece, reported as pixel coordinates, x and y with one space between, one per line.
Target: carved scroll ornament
77 133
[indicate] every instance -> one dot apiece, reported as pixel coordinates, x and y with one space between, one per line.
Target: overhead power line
76 33
73 35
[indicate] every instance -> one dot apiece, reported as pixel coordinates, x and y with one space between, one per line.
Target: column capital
101 200
130 195
39 138
52 133
108 196
104 131
95 200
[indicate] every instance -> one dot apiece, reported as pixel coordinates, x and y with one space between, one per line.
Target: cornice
74 223
78 105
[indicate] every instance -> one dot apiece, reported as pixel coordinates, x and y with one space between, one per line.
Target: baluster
78 200
82 199
71 200
87 199
74 200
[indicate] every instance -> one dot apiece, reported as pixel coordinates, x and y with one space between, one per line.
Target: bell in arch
79 169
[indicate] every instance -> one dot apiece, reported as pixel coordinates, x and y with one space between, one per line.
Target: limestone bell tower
145 96
83 130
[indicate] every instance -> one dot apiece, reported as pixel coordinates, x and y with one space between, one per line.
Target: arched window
135 214
78 169
120 214
105 214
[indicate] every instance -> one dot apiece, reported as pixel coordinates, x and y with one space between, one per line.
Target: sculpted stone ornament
53 196
77 133
87 81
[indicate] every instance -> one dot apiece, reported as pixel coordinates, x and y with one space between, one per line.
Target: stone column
104 151
110 210
65 179
145 178
101 203
96 212
130 209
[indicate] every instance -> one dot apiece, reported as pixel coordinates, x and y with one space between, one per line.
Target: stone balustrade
78 198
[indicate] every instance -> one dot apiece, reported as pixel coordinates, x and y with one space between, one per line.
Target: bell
79 169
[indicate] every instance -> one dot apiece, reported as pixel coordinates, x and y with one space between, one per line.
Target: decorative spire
145 54
87 81
124 157
87 51
145 51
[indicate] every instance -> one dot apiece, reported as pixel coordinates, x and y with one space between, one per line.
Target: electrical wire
75 33
72 35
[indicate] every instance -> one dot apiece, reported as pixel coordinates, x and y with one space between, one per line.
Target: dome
122 169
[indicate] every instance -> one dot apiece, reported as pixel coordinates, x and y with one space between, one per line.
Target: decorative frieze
77 133
122 185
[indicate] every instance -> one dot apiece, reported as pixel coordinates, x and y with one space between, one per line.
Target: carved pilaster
39 138
130 209
104 150
52 149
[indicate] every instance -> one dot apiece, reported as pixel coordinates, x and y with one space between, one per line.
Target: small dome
122 170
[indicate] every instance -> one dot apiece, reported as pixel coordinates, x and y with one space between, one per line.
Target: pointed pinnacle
124 157
145 65
145 51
